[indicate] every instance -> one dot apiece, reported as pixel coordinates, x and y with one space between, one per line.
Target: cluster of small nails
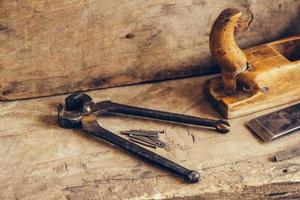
145 137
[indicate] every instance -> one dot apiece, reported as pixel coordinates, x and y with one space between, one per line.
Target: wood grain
40 160
273 79
60 46
285 190
231 59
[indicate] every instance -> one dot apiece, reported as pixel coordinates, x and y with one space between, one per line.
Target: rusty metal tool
276 124
287 154
81 112
84 102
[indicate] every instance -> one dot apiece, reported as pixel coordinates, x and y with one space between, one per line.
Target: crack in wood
276 194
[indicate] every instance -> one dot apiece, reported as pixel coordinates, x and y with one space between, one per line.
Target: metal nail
142 143
144 139
153 137
138 133
147 131
158 142
148 137
161 142
160 145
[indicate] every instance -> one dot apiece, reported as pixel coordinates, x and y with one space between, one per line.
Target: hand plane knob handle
224 49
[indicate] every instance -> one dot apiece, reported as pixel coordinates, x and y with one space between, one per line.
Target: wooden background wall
58 46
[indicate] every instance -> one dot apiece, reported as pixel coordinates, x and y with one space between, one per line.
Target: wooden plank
59 46
285 190
38 159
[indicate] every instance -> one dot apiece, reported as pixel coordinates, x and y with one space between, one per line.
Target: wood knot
287 169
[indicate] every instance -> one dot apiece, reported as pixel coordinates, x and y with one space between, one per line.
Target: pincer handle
222 126
89 124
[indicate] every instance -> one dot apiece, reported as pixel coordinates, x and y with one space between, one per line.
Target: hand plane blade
276 124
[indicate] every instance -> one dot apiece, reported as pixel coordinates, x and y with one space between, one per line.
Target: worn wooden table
40 160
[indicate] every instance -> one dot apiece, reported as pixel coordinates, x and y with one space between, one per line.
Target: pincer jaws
68 119
76 107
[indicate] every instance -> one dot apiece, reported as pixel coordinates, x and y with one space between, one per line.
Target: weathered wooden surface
40 160
273 191
58 46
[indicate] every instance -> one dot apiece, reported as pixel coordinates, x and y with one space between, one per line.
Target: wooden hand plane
252 79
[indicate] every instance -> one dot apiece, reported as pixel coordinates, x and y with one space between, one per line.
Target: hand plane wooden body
252 79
